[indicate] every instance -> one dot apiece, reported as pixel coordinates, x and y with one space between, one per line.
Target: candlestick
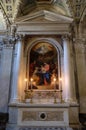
31 101
54 83
26 83
31 83
61 91
55 90
60 82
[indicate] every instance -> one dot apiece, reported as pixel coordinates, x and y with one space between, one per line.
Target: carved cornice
15 35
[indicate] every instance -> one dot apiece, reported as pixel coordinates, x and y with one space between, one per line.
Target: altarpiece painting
43 67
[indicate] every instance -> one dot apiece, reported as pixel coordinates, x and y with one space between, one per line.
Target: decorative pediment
43 22
44 16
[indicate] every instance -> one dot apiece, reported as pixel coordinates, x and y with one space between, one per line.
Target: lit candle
54 83
31 83
26 83
60 82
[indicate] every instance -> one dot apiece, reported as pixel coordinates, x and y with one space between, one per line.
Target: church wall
72 70
81 72
5 69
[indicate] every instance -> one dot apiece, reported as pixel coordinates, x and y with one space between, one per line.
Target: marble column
68 91
15 71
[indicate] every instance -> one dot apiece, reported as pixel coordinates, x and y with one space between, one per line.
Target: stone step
44 128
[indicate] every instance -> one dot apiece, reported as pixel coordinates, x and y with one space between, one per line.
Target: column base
14 100
74 116
70 100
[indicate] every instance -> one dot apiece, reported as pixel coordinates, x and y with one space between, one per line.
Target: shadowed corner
3 120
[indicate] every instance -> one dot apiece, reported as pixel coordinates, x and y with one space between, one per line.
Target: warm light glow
25 79
54 79
31 79
60 79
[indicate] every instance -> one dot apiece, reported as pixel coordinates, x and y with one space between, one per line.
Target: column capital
13 39
66 37
8 42
19 37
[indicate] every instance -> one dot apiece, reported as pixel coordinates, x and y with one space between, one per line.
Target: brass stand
31 101
55 97
62 101
29 95
39 94
26 94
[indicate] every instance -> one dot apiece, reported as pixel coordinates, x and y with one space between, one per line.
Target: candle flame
54 79
25 79
60 79
31 79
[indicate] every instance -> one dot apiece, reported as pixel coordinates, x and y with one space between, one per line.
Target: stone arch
52 41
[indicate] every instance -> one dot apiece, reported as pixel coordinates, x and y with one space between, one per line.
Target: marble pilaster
15 71
68 89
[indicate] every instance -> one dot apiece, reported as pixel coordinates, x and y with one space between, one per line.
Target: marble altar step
45 128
